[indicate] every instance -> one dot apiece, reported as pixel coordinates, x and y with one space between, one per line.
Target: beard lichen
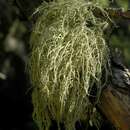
69 55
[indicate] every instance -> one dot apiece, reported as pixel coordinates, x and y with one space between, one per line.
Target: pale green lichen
69 54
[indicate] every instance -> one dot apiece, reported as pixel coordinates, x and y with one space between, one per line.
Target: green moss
67 59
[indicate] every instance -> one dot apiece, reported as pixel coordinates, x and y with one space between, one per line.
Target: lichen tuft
69 55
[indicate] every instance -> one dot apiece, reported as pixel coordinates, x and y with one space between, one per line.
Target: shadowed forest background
16 23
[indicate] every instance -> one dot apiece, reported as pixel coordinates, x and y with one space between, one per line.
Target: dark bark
115 99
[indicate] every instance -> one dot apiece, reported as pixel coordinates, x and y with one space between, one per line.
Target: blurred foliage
116 3
104 3
123 4
120 37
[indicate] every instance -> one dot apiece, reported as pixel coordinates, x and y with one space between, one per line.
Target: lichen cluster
69 55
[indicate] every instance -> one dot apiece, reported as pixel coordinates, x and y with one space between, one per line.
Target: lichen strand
68 56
